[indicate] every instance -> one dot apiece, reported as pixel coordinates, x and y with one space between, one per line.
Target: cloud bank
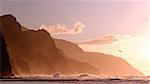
104 39
57 29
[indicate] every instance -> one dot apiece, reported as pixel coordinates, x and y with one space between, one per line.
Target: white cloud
62 29
79 27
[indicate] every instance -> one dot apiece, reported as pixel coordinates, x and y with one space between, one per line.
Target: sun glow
144 47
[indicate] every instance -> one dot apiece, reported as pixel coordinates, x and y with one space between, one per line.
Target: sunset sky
117 27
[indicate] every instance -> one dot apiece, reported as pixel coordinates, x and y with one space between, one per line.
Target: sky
117 27
99 17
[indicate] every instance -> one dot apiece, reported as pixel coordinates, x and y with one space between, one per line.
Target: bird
120 51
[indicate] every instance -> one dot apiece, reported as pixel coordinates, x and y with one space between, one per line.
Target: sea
79 80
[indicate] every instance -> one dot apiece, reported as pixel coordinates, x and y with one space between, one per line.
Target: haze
118 28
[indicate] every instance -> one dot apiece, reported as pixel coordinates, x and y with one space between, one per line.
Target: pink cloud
78 27
104 39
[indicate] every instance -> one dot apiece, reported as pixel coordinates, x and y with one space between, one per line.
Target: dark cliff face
5 65
34 52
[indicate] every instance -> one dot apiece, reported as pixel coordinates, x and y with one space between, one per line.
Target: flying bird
120 51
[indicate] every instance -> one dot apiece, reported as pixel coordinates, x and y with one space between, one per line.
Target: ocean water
77 81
